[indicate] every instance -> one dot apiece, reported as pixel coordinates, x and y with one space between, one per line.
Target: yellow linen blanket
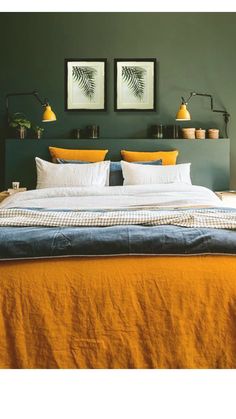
119 312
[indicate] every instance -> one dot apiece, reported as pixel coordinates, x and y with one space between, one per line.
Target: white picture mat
76 99
125 98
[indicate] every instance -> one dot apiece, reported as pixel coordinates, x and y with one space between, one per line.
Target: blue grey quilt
44 242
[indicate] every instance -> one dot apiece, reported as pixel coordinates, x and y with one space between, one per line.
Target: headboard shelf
209 158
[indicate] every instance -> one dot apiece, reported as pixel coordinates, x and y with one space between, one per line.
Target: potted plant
19 121
38 131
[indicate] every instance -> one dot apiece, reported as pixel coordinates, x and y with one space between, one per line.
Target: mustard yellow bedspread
119 312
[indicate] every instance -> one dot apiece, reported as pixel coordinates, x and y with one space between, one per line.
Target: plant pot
22 132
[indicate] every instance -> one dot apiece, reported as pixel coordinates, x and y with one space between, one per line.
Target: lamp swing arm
48 114
185 102
34 93
226 115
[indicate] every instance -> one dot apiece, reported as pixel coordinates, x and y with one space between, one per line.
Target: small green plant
18 120
37 129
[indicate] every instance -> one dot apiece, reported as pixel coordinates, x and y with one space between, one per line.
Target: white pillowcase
138 174
51 175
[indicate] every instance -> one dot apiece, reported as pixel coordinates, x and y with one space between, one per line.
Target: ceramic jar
213 133
200 133
188 133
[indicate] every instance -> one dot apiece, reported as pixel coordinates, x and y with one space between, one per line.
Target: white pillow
140 174
51 175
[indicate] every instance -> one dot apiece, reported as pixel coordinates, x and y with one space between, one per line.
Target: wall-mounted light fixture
184 115
48 114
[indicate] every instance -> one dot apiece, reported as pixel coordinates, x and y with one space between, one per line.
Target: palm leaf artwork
85 77
134 77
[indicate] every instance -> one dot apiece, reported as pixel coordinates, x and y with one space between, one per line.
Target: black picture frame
85 109
135 60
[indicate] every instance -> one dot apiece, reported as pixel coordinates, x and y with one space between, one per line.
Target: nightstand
228 198
3 195
9 192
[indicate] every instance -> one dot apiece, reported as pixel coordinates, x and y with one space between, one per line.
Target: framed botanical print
135 84
85 84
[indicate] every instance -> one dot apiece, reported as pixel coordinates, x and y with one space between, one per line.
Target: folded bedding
59 242
174 219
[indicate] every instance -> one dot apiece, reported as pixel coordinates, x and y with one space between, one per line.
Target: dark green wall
196 51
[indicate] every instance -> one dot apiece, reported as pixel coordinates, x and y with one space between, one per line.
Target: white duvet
165 195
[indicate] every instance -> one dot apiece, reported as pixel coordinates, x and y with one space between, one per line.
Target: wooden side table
228 197
3 195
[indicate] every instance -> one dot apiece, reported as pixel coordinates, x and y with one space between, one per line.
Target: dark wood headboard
209 158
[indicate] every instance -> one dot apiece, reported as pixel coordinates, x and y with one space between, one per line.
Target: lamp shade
183 113
48 114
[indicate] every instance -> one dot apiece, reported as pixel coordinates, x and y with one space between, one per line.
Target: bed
128 277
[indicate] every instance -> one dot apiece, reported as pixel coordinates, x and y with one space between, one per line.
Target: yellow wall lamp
48 114
184 115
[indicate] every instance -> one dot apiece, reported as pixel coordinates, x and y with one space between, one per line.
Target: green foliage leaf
18 120
134 77
37 128
85 77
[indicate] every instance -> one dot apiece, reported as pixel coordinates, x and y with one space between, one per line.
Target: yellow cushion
84 155
167 157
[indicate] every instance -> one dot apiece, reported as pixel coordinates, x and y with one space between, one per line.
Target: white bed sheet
168 195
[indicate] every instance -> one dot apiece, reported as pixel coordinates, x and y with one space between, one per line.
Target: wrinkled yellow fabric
119 312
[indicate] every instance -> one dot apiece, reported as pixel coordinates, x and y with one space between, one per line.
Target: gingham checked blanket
219 218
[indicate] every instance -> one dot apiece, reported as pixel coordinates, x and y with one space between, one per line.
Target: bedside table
228 197
3 195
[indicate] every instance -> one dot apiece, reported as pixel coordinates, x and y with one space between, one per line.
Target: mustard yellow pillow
167 157
83 155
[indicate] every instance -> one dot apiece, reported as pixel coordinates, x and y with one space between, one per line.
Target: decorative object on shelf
172 131
38 132
48 114
15 185
175 131
85 84
157 131
184 115
188 133
93 131
135 84
77 133
200 134
160 131
213 133
19 121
